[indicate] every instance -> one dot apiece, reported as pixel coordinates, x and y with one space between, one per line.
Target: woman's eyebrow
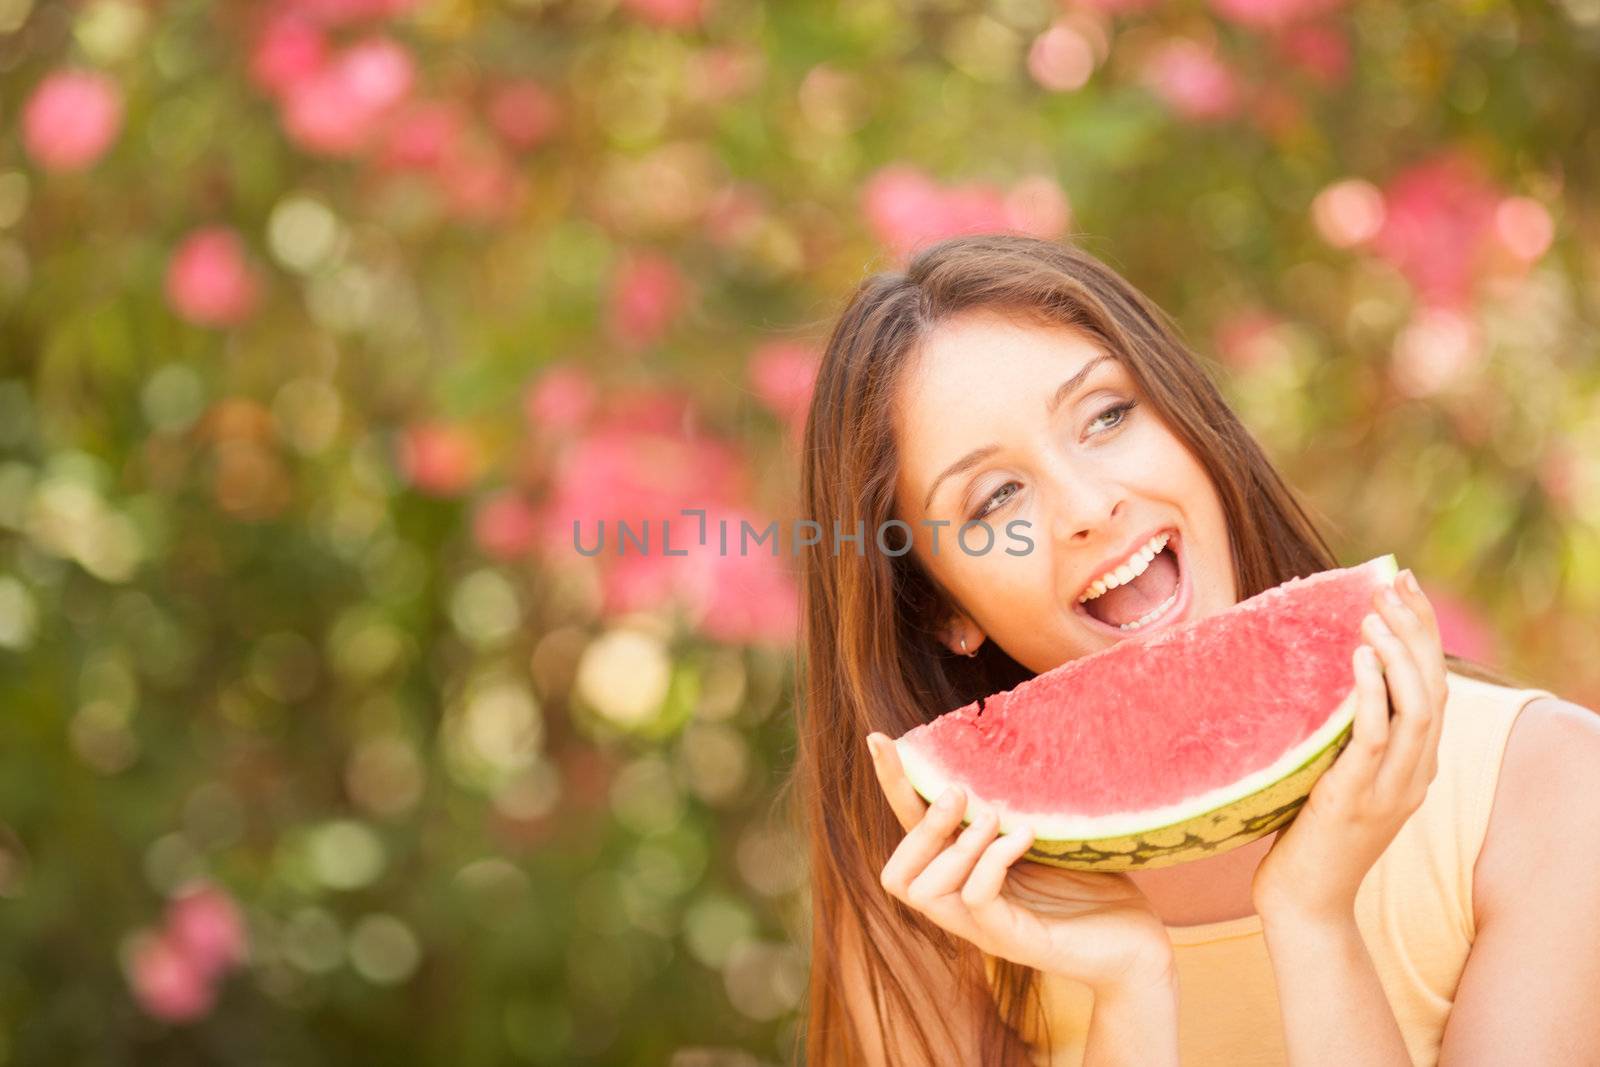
977 455
1070 386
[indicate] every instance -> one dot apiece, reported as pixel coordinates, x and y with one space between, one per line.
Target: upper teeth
1128 571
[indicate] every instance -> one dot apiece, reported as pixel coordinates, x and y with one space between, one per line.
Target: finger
982 888
1396 606
1413 719
1411 592
924 841
944 876
1358 764
1429 654
904 799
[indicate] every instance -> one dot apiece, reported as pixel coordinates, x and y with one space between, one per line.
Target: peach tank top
1414 910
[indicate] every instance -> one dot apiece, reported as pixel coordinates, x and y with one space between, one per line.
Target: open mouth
1155 598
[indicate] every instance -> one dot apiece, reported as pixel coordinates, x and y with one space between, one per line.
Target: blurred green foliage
307 307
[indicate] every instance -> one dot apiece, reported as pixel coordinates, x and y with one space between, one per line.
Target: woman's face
1027 428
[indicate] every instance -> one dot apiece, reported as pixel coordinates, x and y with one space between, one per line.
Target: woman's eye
1119 410
994 500
1118 413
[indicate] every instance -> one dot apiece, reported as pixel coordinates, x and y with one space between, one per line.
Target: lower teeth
1154 614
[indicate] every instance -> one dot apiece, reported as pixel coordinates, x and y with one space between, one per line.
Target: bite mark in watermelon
1154 751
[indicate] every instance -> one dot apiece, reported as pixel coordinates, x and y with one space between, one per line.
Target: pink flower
1193 81
672 14
560 399
1322 51
424 135
1524 227
642 581
974 207
907 209
377 71
205 924
289 51
1436 350
1270 13
166 982
338 110
648 409
70 119
1037 205
746 594
740 593
634 468
437 458
209 281
480 185
641 463
1348 213
783 373
524 113
904 207
734 214
1438 216
1061 59
1247 340
647 295
322 116
504 526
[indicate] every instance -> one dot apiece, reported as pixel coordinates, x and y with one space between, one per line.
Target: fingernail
1411 582
947 800
1391 598
872 746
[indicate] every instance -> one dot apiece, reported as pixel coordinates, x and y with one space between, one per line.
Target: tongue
1139 597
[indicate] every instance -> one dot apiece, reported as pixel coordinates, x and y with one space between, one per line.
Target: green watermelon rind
930 782
1249 807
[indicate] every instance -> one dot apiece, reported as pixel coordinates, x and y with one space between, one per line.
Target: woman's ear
962 636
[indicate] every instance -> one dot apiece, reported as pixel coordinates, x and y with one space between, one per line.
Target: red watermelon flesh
1152 734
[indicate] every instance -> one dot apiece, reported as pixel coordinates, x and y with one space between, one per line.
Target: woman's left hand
1355 809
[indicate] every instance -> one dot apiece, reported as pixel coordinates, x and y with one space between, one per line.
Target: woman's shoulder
1441 842
1516 777
1436 875
1546 807
1498 729
1479 719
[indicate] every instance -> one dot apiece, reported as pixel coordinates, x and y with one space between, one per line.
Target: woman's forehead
977 364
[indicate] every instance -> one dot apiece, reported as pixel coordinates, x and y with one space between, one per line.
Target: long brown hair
869 656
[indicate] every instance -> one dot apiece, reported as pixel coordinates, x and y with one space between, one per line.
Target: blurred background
322 320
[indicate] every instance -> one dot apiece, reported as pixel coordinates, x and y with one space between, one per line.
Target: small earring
964 651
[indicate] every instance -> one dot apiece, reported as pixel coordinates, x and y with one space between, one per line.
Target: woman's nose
1082 507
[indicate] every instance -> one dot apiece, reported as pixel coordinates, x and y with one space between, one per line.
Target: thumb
906 803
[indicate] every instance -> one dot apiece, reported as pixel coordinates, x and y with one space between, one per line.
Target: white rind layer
930 780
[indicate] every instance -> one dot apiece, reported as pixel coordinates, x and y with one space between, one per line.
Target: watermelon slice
1159 750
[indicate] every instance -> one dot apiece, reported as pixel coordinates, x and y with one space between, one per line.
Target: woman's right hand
1094 927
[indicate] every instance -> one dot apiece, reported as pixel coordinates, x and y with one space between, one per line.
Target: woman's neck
1205 891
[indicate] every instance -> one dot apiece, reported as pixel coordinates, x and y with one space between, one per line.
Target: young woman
1436 900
